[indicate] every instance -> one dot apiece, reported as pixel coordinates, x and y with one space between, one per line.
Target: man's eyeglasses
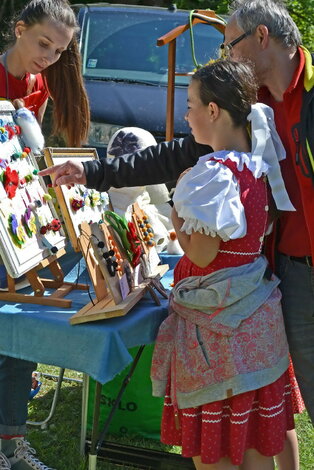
224 49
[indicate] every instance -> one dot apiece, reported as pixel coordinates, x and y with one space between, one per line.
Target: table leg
93 451
96 443
85 391
92 462
125 382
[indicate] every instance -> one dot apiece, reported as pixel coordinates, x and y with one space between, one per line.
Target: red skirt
252 420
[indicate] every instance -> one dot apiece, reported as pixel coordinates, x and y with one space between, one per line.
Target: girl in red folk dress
221 357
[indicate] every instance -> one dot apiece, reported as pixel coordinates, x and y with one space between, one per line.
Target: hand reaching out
68 173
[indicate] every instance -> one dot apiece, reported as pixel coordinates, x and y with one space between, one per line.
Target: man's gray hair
271 13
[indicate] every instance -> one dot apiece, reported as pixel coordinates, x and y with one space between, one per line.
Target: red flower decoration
77 204
55 225
11 182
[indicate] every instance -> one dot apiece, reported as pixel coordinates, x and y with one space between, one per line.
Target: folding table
99 349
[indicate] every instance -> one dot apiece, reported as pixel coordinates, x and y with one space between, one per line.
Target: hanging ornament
11 182
3 163
94 198
55 225
4 135
16 231
77 204
28 221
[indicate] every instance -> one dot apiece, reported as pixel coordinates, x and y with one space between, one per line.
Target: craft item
22 246
120 225
146 237
146 230
115 295
76 204
24 209
173 246
30 130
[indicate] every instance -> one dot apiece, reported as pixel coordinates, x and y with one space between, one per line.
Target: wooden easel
199 16
39 285
108 302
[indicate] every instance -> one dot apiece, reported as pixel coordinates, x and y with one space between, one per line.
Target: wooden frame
30 238
199 16
39 285
74 218
24 209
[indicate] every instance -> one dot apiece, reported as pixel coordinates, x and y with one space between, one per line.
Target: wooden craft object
39 285
73 219
108 302
91 235
138 216
208 17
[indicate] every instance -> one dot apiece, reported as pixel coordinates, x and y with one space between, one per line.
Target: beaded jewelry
147 230
111 255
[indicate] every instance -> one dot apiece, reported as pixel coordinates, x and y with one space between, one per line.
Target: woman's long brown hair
64 81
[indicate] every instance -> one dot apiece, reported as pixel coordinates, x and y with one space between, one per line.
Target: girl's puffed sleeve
208 199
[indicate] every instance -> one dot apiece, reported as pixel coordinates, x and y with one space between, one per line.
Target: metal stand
43 424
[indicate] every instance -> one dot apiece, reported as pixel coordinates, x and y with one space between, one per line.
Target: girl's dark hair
231 85
63 78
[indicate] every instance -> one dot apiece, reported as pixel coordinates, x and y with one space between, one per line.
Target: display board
29 228
118 279
78 204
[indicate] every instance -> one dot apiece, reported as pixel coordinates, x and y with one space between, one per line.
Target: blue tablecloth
100 349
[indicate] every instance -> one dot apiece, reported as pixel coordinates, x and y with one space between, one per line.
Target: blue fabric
171 260
15 386
100 349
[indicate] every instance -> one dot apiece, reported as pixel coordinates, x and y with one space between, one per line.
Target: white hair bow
268 148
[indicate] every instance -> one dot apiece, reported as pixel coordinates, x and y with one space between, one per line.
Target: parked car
125 72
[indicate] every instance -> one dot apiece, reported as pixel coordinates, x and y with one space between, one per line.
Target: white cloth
208 198
151 198
267 149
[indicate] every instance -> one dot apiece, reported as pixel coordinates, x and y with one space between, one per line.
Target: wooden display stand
72 219
40 284
199 16
109 302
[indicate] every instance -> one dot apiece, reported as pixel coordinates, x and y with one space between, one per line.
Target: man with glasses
260 31
225 49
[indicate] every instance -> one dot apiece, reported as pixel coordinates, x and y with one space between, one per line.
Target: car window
122 46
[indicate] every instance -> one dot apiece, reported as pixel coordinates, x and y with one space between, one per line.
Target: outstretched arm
156 164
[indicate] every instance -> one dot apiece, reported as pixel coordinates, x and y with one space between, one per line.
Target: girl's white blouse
208 197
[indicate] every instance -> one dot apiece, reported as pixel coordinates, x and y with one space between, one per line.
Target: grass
58 445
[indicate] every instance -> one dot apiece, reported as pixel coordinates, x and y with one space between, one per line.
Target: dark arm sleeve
156 164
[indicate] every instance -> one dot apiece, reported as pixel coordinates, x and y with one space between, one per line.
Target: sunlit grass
58 445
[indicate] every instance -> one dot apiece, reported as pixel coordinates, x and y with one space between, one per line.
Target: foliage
302 11
220 6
